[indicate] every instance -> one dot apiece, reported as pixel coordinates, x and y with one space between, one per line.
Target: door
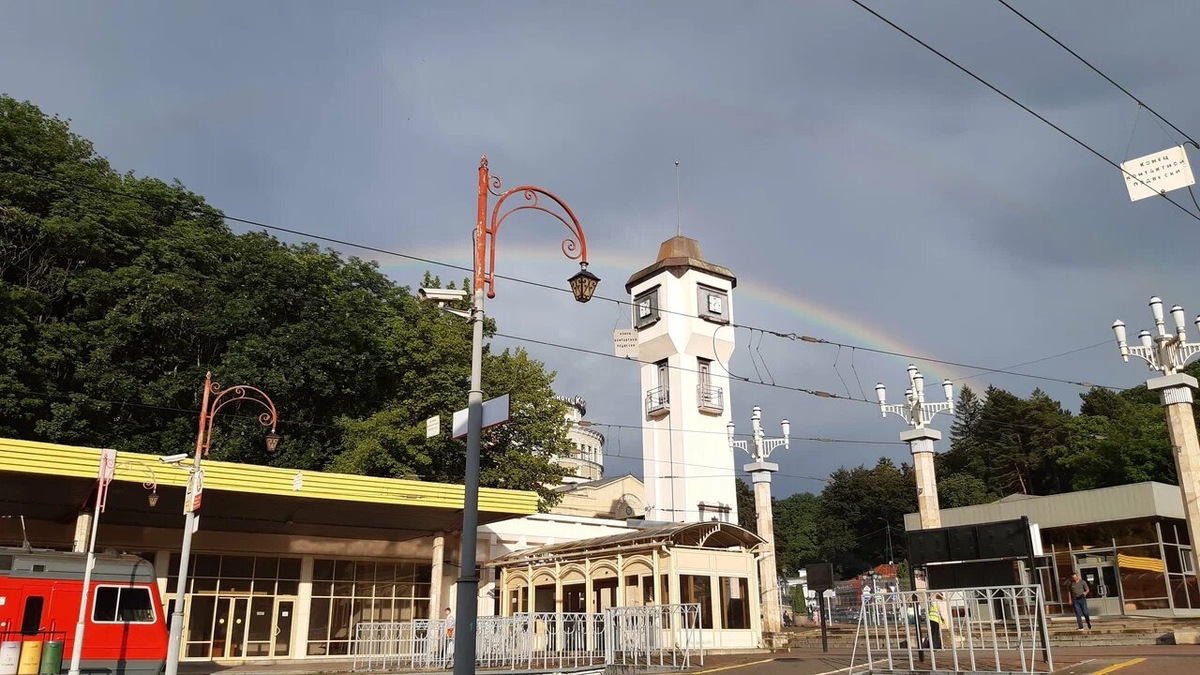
229 629
1100 572
284 612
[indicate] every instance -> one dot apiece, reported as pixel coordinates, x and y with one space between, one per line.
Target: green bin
52 655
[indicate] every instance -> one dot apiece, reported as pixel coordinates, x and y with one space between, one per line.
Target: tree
854 510
746 508
118 293
796 533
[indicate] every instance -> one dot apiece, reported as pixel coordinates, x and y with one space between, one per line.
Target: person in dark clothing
1079 594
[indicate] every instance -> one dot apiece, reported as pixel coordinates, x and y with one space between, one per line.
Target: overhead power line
1096 70
620 302
1022 106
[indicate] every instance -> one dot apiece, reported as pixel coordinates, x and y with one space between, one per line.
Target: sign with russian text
625 343
1158 173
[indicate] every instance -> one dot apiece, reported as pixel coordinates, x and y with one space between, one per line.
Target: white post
917 413
77 646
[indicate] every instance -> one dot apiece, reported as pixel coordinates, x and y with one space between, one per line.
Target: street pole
1168 354
918 413
107 459
212 401
583 284
760 471
175 640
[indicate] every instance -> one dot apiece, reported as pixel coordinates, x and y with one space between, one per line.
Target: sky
862 190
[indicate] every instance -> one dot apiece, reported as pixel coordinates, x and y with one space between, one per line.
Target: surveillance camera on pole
443 296
174 459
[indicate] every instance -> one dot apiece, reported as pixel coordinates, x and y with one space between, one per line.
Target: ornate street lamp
583 285
214 399
917 413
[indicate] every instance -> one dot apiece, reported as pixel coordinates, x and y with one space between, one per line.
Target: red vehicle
125 633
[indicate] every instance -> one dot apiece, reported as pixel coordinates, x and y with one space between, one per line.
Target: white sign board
1154 174
1035 535
495 412
433 426
625 343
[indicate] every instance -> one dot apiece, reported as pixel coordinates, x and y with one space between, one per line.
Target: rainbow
841 327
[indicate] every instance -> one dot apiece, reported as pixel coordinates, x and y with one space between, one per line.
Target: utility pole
1167 354
917 413
760 471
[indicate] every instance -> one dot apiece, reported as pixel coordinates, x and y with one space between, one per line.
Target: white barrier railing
996 629
660 635
655 635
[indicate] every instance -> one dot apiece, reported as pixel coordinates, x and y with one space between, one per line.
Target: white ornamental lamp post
1167 354
918 413
760 471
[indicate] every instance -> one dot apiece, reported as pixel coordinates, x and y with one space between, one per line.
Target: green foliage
118 293
854 512
796 532
747 512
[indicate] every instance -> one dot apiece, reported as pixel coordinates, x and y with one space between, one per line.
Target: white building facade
682 308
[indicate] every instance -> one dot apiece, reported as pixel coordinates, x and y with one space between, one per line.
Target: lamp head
1157 310
1177 314
584 283
787 430
729 429
881 391
273 441
1146 340
1119 330
948 388
152 500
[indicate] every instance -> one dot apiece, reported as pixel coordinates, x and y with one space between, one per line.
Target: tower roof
679 253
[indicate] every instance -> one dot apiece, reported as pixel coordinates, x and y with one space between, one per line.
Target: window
713 304
645 308
694 589
735 602
116 604
31 620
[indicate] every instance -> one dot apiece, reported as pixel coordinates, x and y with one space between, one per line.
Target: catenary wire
1072 52
1022 106
375 249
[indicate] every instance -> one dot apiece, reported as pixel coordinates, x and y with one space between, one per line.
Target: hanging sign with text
1157 173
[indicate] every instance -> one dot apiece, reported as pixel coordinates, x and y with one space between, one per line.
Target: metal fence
659 635
655 635
999 629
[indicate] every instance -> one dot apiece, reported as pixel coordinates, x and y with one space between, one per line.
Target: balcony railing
710 399
658 401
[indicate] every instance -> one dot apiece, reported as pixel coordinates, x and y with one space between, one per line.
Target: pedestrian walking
448 617
1079 595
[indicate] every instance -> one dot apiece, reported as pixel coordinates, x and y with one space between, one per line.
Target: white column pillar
1176 393
438 560
768 575
303 609
920 443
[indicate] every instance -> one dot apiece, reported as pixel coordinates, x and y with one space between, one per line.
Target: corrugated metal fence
658 635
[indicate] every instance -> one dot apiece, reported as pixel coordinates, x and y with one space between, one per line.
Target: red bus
125 631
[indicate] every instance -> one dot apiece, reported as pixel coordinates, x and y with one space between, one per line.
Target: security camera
441 295
173 459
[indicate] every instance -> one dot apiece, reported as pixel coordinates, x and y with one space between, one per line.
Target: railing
662 636
657 636
995 629
710 398
658 400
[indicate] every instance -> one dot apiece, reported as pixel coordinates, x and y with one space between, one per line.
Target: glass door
1100 572
229 630
260 627
284 610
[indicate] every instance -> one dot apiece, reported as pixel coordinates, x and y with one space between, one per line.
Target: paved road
1147 660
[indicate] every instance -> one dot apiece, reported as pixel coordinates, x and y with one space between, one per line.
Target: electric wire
1022 106
213 212
1072 52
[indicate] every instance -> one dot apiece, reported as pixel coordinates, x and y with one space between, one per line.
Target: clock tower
682 308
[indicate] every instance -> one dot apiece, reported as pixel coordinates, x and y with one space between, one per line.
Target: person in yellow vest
936 620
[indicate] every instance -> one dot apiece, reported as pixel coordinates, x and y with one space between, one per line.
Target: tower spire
678 203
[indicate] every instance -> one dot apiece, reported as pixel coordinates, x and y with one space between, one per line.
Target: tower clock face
644 308
715 304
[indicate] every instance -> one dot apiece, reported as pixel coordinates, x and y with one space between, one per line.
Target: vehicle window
115 604
31 620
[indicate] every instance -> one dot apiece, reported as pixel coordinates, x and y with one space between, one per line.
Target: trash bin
31 657
52 655
10 656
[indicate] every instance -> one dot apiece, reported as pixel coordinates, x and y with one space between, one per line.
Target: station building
1129 542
